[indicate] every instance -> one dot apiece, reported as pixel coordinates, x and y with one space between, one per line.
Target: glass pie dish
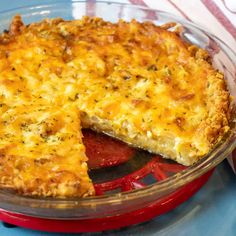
120 202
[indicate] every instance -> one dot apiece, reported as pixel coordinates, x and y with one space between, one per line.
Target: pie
137 82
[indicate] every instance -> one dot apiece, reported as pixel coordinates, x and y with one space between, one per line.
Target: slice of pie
42 151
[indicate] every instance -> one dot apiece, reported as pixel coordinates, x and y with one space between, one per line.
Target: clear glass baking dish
118 203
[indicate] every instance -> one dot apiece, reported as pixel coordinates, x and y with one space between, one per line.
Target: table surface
212 211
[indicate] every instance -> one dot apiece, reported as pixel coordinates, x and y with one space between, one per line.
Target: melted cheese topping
139 78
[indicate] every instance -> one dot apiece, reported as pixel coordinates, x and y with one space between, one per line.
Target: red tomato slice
104 151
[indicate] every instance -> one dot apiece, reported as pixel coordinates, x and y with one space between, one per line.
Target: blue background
212 211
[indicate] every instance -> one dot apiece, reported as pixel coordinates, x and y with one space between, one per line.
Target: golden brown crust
16 26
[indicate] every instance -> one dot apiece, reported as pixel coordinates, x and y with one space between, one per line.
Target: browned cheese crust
135 81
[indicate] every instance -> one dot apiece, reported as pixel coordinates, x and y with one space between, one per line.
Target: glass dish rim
176 181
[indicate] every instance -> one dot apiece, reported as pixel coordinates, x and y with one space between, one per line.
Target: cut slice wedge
42 152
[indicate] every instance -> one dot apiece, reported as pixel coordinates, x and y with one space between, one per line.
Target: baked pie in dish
138 82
